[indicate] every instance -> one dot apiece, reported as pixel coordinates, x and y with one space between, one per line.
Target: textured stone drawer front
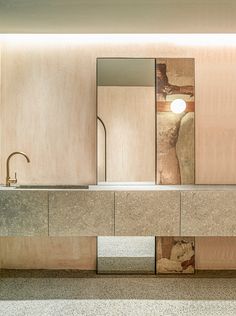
209 213
142 213
81 213
23 213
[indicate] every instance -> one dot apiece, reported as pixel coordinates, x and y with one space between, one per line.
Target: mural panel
175 124
175 255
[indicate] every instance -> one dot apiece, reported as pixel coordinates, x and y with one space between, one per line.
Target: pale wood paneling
215 253
49 77
48 253
129 116
48 112
215 116
28 85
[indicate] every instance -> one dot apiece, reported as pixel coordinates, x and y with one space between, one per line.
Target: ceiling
117 16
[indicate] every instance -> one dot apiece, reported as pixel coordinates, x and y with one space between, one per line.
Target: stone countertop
119 210
128 187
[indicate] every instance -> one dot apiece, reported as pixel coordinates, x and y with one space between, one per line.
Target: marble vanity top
162 187
118 210
121 187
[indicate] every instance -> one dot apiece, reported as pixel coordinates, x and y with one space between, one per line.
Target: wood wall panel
48 253
215 253
215 116
39 76
129 116
47 112
60 78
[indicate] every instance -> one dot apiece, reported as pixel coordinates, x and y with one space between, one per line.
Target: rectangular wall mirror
126 120
145 120
124 254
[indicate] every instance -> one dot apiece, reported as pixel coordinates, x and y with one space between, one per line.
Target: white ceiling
117 16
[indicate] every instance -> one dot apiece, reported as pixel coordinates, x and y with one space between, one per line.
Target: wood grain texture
45 113
215 253
41 79
129 116
215 116
48 253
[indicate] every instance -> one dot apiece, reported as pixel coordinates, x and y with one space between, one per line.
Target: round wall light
178 106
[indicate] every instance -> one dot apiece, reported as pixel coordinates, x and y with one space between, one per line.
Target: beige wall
48 253
48 111
215 253
60 78
53 86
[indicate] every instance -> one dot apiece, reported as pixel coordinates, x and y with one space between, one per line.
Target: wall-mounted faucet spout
10 180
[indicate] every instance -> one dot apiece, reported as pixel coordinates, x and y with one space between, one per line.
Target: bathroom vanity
79 124
119 211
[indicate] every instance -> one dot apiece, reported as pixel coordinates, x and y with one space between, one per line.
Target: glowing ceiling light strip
178 39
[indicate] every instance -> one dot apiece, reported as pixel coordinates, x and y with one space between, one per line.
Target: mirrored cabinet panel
126 120
126 255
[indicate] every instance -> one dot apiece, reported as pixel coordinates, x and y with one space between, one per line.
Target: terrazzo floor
105 295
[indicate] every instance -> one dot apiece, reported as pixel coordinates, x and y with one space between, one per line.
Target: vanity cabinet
23 213
81 213
147 213
208 213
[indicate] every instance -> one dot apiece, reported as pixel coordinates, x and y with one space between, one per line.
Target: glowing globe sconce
178 106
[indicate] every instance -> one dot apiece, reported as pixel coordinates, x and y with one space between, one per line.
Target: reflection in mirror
101 150
126 255
126 120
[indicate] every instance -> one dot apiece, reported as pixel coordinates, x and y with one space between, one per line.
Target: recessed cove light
207 39
178 106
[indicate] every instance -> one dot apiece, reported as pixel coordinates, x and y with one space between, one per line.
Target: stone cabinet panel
147 213
23 213
80 213
208 213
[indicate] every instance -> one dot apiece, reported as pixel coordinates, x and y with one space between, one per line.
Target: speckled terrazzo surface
117 296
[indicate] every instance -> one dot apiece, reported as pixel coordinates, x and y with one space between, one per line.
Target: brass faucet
10 180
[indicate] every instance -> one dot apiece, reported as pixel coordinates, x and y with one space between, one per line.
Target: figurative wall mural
175 255
175 130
